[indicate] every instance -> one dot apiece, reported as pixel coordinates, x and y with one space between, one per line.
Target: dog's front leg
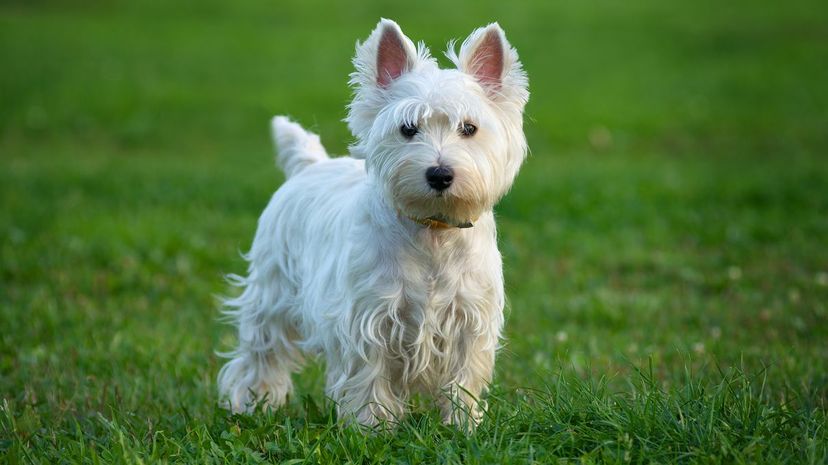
461 403
368 394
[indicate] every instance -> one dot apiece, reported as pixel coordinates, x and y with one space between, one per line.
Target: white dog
386 262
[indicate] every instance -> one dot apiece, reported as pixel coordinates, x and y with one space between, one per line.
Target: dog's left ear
488 56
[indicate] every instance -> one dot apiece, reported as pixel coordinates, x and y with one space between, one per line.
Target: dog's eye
467 129
409 130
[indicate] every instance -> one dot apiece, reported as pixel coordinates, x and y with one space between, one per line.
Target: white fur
337 268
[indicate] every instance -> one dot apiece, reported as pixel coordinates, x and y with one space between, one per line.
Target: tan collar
438 222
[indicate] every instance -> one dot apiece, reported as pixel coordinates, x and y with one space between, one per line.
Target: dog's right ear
384 57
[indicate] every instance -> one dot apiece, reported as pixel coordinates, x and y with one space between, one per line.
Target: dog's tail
295 147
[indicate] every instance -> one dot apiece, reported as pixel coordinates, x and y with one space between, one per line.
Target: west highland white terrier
386 262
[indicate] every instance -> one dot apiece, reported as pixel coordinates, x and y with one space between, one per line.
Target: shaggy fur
341 267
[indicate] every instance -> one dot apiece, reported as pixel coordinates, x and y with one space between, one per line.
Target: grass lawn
665 246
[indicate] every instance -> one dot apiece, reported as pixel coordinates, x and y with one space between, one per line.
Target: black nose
439 177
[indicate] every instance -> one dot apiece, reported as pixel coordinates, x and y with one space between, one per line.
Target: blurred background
674 207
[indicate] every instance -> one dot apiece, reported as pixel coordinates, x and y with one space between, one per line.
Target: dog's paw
244 389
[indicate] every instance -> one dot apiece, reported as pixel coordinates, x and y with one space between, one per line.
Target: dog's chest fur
434 304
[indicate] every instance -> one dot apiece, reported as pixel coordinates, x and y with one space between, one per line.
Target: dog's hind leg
260 368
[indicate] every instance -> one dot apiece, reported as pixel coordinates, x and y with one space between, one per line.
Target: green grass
664 246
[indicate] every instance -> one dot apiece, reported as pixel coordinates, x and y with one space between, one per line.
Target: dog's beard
460 203
444 207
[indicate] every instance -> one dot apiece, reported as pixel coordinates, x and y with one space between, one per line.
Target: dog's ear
384 57
488 56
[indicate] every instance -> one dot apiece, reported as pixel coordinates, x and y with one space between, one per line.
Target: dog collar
439 222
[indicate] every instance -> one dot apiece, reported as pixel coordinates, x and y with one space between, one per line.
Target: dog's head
440 142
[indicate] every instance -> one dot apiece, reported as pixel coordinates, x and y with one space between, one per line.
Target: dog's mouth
451 208
440 222
444 212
